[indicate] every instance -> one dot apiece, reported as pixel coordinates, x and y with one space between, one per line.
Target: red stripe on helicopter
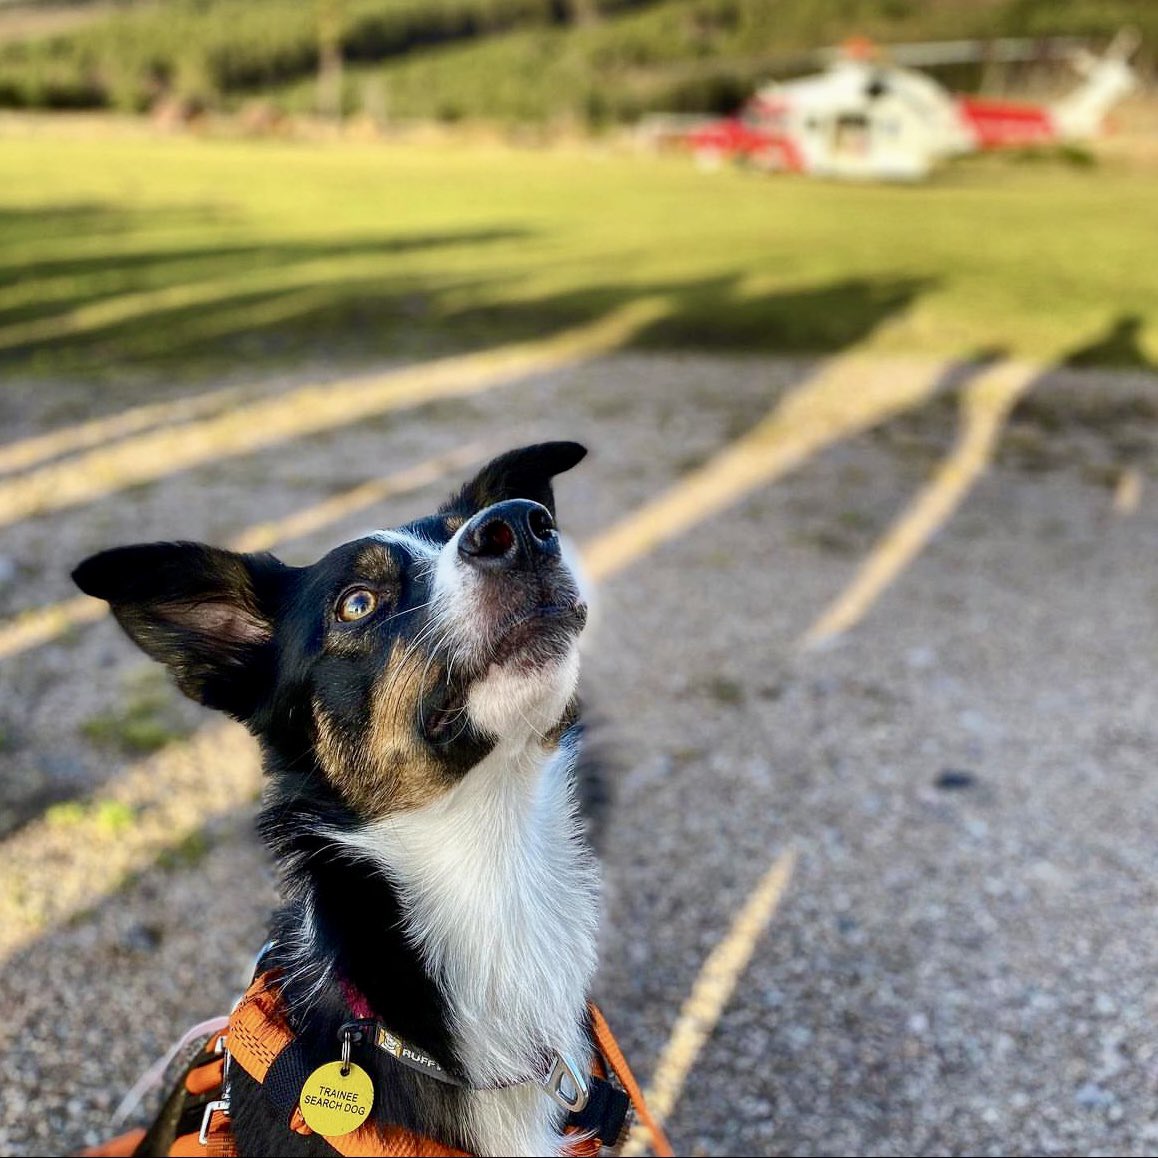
1005 124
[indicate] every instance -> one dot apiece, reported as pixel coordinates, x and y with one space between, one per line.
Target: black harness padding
286 1076
605 1113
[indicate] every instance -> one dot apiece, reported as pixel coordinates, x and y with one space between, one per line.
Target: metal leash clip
565 1069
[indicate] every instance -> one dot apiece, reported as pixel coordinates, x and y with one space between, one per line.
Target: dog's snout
510 535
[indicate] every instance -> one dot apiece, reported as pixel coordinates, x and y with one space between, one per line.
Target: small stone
1105 1006
955 779
799 1037
921 658
141 938
974 722
1091 1096
918 1024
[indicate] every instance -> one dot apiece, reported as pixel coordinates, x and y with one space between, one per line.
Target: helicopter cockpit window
851 134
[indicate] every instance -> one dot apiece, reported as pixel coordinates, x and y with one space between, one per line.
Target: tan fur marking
375 564
390 769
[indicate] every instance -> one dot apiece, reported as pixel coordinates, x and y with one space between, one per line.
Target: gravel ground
963 961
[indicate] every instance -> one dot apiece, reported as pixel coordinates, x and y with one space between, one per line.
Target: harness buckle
221 1104
563 1070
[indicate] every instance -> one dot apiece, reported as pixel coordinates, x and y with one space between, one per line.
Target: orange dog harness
257 1035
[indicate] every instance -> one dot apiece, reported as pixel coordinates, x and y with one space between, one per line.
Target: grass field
128 259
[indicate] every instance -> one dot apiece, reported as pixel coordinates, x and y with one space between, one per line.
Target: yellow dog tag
334 1104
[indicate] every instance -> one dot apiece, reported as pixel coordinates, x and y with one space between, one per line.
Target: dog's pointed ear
525 473
206 613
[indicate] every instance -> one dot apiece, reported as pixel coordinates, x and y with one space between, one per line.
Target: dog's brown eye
356 604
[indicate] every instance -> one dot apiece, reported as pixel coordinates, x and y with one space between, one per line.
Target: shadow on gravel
121 957
93 1002
1094 411
717 313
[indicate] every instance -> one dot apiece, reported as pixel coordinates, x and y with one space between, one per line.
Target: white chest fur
501 898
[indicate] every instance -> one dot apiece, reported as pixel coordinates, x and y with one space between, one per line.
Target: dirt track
958 789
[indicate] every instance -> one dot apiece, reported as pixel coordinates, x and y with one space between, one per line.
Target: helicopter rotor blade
925 54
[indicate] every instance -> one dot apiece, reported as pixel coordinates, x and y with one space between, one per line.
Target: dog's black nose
510 535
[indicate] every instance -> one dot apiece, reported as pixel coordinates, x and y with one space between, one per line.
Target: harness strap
122 1146
613 1056
393 1143
258 1035
257 1032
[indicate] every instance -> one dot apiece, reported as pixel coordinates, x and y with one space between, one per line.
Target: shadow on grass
85 220
187 299
94 292
171 264
1120 347
717 314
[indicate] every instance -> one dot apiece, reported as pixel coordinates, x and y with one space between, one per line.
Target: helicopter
867 118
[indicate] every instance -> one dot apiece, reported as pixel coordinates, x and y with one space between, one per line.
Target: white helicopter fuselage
861 121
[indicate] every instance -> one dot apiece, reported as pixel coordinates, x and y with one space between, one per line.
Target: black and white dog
414 696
